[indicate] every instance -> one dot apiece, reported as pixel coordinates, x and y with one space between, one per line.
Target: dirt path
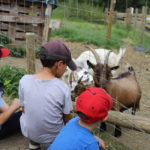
141 64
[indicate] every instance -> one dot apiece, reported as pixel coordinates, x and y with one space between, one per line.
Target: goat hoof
117 133
103 127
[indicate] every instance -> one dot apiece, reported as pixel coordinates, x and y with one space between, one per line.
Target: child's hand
15 104
101 142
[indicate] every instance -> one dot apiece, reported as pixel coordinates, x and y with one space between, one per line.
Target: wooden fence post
128 17
48 13
106 14
143 23
111 12
30 52
135 20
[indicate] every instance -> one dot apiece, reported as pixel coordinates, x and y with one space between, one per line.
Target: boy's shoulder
25 77
61 82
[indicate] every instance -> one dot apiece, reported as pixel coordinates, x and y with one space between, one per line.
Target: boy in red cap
92 107
9 118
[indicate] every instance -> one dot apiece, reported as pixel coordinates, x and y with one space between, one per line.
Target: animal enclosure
20 16
17 29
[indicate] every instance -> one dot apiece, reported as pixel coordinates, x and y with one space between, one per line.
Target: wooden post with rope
143 23
30 52
111 12
46 32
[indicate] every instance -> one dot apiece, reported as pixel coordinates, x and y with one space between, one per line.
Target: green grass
84 11
81 31
137 40
111 142
90 33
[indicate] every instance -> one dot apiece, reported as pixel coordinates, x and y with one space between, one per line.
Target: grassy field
82 31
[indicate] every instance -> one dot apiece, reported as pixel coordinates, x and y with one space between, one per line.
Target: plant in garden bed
9 77
20 52
4 39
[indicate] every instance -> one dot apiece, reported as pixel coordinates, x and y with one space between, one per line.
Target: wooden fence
130 18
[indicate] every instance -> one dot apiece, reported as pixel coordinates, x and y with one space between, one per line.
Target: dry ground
141 63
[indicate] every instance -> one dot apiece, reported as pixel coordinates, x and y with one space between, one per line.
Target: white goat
114 59
73 77
83 72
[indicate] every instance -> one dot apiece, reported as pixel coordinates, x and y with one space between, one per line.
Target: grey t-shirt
45 102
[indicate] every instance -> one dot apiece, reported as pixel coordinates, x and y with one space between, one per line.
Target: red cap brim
5 52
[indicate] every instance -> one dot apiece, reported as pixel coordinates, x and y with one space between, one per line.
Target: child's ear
58 63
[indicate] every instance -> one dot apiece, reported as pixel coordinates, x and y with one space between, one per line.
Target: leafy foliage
21 52
4 39
9 77
18 52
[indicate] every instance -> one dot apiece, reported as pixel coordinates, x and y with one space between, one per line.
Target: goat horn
95 54
107 57
80 80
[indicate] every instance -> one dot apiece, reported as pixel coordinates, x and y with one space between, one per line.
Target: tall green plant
9 77
4 39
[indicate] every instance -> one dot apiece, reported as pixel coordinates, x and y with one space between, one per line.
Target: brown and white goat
124 89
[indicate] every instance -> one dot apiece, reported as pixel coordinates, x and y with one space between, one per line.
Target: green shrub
37 52
9 77
20 52
4 39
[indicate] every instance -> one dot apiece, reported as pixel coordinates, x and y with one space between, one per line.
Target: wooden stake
30 52
135 20
143 23
128 19
111 12
48 13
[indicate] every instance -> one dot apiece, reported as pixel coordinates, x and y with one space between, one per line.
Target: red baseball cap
95 104
57 50
4 52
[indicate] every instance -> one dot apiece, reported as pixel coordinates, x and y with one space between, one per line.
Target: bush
20 52
4 39
9 77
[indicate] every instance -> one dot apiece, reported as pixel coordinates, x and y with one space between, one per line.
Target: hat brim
5 52
72 65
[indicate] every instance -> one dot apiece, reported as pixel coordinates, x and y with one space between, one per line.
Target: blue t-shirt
1 99
75 137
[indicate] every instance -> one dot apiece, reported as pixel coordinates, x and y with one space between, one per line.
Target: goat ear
114 68
91 65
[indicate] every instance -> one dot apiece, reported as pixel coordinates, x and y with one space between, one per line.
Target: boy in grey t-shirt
46 100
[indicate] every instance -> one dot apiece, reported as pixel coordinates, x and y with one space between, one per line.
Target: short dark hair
48 62
0 52
82 115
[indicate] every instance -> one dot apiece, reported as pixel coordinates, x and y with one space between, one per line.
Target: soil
140 62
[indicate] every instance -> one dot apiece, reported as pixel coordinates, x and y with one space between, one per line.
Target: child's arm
67 117
101 142
4 108
5 115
